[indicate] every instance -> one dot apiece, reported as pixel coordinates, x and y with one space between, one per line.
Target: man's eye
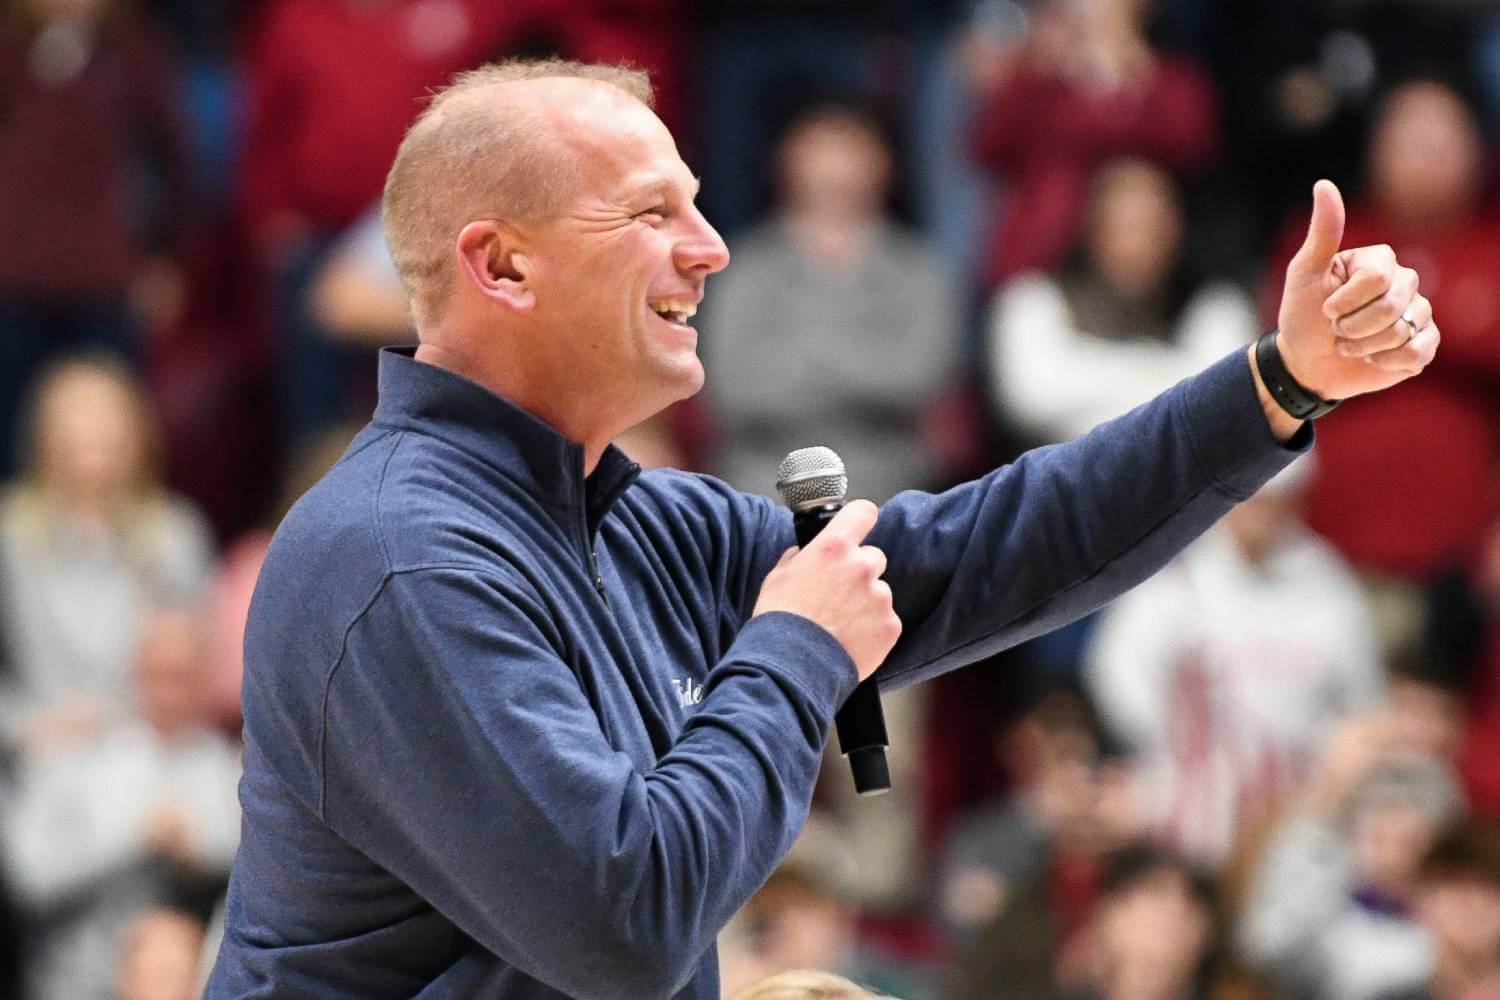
653 215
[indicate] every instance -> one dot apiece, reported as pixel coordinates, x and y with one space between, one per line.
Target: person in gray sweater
835 326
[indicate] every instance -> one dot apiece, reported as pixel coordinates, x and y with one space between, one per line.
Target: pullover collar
430 400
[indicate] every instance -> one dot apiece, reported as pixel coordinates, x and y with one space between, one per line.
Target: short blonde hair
465 158
806 985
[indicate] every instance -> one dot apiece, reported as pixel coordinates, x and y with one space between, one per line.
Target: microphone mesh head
811 476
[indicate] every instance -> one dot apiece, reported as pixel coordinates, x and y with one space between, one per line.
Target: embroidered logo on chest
688 693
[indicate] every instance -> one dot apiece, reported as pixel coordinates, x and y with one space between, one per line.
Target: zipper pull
598 577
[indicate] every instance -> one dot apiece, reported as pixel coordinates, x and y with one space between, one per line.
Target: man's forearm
1067 528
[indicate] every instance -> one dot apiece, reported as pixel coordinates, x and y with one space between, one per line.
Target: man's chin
693 378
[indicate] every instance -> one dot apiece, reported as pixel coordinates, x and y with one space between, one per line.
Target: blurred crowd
960 229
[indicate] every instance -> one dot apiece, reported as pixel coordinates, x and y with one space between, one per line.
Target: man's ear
491 261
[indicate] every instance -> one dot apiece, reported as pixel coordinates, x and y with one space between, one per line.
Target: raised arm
1044 541
1065 529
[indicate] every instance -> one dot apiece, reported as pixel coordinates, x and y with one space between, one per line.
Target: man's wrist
1283 424
1286 387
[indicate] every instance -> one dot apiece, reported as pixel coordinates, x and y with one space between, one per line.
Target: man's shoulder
338 514
400 500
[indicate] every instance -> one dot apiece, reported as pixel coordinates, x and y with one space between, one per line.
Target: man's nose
703 251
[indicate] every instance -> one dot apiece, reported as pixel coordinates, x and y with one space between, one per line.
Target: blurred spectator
1085 88
813 914
1020 878
834 325
1226 670
1406 482
330 87
1329 912
955 56
1155 931
1302 79
1458 902
1424 711
160 957
88 540
798 920
806 986
137 814
758 59
93 188
1120 325
357 294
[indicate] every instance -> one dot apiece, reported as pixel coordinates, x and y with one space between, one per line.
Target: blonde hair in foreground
479 152
806 986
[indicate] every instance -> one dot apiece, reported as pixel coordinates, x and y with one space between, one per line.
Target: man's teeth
675 310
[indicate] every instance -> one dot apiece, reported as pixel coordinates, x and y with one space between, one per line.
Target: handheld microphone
812 483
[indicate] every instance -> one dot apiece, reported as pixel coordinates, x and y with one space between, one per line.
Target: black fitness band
1289 395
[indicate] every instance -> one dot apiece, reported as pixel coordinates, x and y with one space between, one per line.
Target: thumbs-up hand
1351 321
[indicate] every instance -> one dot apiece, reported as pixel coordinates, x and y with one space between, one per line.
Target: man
521 723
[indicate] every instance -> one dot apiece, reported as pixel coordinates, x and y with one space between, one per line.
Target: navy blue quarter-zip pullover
513 733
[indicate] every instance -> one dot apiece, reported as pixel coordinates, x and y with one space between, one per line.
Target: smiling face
618 275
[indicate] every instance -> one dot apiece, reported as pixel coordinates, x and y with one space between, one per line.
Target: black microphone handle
860 720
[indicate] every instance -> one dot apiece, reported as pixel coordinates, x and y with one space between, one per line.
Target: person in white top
96 831
1070 351
1225 670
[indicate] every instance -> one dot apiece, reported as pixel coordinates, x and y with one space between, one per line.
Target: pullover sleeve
511 813
1067 528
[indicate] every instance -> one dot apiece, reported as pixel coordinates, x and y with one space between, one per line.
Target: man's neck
512 384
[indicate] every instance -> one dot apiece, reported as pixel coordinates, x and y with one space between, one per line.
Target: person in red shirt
87 127
1415 507
1085 88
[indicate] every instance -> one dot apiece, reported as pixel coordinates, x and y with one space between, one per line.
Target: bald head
489 146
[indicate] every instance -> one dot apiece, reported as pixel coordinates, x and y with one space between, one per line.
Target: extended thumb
1325 233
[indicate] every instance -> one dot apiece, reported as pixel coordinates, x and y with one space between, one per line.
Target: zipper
587 537
598 576
624 479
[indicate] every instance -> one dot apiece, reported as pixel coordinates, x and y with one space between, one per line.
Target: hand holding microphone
834 580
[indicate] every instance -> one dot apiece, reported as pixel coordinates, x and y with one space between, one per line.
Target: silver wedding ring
1411 323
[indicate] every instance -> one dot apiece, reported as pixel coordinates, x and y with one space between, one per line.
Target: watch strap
1289 395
